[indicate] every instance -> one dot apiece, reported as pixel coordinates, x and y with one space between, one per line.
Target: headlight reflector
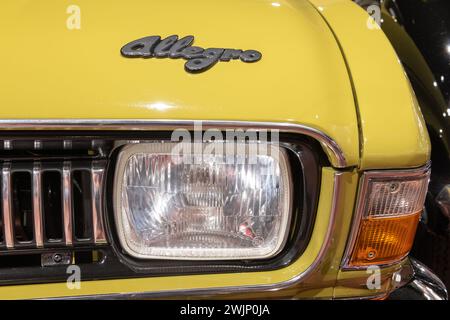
219 207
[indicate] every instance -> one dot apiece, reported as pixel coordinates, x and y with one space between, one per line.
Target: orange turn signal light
384 240
387 214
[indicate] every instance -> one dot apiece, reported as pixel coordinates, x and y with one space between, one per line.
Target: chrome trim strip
67 202
337 201
37 205
8 224
97 177
359 209
335 153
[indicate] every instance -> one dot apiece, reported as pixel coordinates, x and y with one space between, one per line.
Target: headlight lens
214 208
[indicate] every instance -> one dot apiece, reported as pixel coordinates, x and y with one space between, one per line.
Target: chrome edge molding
336 155
337 199
359 209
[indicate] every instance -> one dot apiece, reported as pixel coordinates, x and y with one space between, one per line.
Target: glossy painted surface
393 132
62 73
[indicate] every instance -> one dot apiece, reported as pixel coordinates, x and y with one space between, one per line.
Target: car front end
95 204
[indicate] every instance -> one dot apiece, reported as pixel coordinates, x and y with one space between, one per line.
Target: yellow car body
322 70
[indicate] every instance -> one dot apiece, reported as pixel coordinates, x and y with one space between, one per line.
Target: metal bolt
370 255
57 258
394 187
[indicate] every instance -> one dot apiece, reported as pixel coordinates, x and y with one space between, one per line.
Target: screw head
57 258
394 187
258 241
371 254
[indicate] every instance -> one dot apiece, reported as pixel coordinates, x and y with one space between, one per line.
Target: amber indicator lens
388 211
384 240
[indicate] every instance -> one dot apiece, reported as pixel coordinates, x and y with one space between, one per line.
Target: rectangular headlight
218 207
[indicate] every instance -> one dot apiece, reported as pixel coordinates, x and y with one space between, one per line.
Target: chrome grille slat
97 175
67 203
8 224
37 205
